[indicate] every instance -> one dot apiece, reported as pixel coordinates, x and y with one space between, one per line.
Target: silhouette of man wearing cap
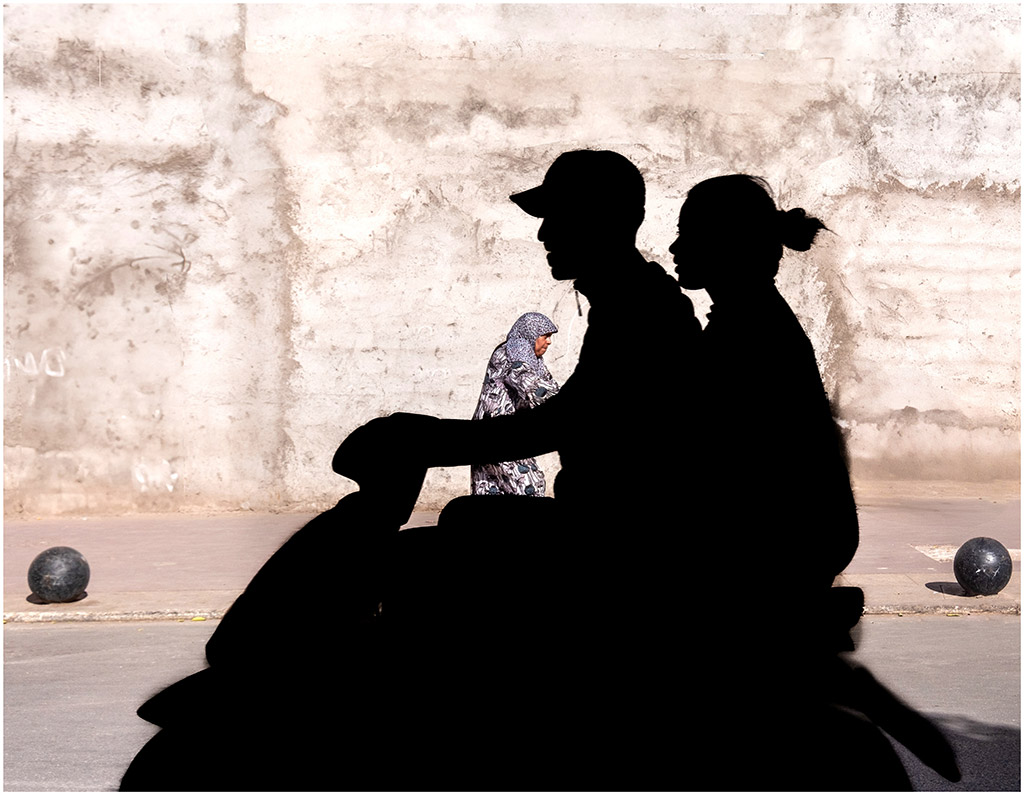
559 594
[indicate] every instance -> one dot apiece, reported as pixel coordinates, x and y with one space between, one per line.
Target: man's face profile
574 240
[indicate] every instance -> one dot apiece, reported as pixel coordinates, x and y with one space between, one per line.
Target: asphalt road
963 672
71 691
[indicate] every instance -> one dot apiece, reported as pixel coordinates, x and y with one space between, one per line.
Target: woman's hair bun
797 229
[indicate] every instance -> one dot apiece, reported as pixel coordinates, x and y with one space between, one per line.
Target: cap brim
533 201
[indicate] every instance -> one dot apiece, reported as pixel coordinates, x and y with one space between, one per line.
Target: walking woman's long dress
516 379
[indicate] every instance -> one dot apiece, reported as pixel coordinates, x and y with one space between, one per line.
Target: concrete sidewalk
192 567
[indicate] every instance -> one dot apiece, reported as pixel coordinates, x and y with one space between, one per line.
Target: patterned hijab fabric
516 379
520 344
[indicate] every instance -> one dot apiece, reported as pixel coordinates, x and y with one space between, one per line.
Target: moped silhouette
300 688
365 657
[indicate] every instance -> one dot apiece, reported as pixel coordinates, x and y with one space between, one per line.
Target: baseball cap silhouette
587 180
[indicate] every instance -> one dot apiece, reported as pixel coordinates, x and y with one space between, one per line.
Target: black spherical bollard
982 566
59 574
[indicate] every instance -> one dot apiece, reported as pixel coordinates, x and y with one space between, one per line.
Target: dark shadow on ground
989 757
38 600
947 588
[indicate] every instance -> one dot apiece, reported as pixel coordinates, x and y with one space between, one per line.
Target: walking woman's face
541 345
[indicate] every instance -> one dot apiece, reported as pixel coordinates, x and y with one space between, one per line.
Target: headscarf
522 339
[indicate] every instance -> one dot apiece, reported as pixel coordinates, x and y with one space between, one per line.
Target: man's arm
525 434
423 441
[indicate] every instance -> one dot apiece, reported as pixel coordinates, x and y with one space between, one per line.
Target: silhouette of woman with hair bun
764 404
772 496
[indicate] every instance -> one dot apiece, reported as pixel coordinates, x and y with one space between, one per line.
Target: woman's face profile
541 344
689 251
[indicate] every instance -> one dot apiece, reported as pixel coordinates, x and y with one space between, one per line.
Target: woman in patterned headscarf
516 379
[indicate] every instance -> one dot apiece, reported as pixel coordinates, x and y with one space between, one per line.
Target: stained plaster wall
233 233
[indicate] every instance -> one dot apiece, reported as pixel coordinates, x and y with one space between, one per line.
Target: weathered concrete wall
234 233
